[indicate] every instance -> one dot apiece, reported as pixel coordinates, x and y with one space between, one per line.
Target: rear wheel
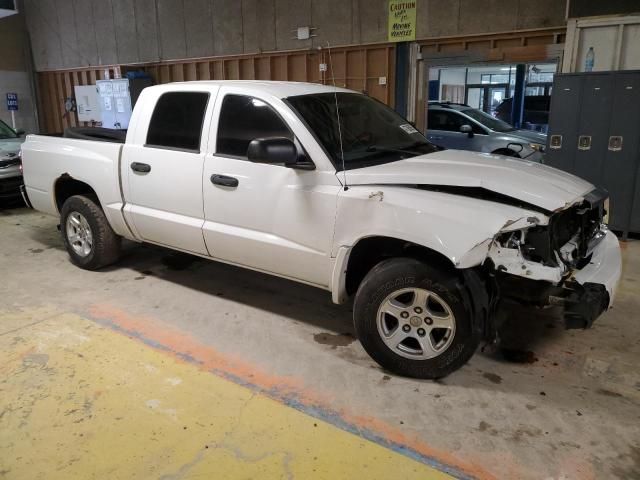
413 320
87 235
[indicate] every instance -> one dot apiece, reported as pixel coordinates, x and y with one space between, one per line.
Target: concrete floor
565 404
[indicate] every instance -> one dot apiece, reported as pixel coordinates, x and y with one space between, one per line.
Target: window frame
468 121
179 149
474 124
445 112
268 104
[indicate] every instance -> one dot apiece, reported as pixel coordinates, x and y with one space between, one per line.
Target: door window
243 119
445 120
177 121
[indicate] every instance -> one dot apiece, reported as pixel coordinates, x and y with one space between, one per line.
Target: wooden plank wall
364 68
54 88
524 46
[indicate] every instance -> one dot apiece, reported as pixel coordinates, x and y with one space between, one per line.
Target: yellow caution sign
402 20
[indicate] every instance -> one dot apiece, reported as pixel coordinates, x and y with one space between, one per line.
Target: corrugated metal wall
363 68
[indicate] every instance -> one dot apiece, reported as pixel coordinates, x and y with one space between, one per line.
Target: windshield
6 131
372 133
488 121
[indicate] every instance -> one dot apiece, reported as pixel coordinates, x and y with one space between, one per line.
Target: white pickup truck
264 175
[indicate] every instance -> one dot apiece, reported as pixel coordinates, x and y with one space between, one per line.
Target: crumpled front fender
459 228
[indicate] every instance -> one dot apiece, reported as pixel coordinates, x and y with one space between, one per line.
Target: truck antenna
335 96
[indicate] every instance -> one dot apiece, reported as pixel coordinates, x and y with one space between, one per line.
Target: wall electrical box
116 99
88 103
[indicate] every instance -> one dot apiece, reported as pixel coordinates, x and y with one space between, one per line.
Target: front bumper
591 290
605 266
536 156
10 186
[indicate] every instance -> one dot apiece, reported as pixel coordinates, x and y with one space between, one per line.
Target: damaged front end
544 262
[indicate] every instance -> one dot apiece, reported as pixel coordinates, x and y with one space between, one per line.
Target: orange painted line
289 390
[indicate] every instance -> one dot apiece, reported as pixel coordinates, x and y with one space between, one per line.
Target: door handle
140 167
224 180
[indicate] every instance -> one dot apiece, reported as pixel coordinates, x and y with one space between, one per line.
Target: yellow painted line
78 400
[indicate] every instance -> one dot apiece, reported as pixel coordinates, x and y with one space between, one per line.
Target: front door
268 217
164 172
443 129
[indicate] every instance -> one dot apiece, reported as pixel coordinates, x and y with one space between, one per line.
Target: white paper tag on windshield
407 127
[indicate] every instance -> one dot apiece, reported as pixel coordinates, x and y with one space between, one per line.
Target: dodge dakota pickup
331 188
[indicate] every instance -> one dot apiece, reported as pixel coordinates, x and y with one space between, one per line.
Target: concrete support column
517 107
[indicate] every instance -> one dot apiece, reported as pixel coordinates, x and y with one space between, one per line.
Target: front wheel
87 235
413 319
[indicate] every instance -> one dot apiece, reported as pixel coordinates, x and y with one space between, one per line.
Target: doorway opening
490 88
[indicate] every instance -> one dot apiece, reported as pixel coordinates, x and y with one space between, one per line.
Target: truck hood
533 183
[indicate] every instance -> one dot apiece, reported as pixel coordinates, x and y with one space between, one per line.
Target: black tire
393 275
105 248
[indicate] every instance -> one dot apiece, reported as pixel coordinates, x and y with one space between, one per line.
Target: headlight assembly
537 147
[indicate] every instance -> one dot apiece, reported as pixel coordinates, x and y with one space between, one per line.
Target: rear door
163 164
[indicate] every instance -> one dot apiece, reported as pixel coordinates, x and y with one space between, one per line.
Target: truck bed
47 160
96 134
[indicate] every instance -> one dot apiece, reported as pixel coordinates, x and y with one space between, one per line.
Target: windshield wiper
407 149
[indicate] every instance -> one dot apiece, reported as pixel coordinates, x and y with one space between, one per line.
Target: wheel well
370 251
506 151
67 186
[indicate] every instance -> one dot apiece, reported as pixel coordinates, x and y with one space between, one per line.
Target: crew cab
329 187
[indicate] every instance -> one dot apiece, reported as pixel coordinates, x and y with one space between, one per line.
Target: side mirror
273 150
20 132
467 129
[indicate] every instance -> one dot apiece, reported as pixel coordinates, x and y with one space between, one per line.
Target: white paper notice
407 127
107 103
120 105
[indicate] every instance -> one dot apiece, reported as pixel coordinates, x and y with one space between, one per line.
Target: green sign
402 20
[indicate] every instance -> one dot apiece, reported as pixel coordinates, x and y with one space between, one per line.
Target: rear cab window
177 121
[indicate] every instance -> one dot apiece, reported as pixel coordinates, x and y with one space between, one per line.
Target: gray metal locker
593 127
563 121
594 132
634 221
623 142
